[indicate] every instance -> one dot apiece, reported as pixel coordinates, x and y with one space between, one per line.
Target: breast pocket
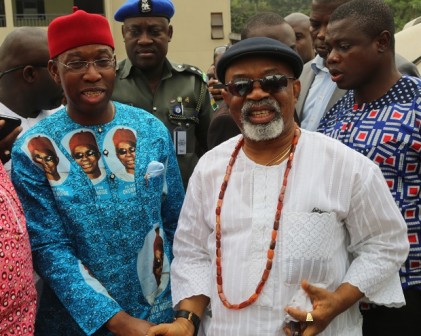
309 241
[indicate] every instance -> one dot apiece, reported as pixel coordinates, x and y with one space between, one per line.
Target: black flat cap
256 46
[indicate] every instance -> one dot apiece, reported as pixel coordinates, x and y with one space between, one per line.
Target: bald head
24 58
269 25
24 45
300 23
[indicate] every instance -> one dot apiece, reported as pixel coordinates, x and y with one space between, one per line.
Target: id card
180 142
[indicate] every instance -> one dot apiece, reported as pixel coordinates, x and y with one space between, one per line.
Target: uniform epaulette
190 68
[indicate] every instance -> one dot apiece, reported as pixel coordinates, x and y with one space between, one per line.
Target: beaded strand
274 235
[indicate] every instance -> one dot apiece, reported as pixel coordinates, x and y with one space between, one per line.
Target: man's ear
384 41
53 70
29 73
170 32
296 88
122 32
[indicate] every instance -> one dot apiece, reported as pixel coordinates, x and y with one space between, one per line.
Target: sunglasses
39 158
124 151
89 153
270 84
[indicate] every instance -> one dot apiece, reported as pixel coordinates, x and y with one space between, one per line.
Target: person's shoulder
49 121
139 116
406 67
412 79
321 142
189 70
123 68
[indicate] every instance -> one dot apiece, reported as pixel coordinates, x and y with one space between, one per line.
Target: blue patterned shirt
387 131
101 203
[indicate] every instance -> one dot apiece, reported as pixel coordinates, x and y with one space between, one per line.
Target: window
217 26
90 6
29 7
2 14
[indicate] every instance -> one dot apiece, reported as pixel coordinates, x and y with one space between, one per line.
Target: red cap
82 139
123 135
78 29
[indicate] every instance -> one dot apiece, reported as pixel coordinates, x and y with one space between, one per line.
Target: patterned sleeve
53 251
173 201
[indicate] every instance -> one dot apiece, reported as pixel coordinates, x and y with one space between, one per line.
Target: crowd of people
276 194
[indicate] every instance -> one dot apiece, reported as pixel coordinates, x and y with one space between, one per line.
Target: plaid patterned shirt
388 132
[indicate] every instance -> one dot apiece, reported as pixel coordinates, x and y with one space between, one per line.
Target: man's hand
215 92
326 306
122 324
180 327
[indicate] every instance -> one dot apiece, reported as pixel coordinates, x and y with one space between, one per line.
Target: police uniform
181 101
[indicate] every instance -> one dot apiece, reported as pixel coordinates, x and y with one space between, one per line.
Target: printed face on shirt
49 162
87 158
146 40
126 153
354 59
87 89
262 115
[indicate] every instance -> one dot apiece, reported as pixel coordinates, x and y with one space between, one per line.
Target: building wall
191 43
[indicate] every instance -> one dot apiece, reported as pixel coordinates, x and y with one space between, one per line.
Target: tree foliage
404 10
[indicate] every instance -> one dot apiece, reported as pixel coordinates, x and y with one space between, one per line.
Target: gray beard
262 132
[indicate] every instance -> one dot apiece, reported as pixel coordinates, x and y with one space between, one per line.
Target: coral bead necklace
272 245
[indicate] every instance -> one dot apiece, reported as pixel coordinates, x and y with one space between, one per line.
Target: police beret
256 46
134 8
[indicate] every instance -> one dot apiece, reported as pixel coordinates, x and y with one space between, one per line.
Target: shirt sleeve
191 268
174 193
378 240
54 256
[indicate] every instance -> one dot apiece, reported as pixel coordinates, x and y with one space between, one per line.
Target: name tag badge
180 142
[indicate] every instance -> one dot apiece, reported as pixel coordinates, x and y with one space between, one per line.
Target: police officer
175 93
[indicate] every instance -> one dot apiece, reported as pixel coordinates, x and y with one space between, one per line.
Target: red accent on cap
82 139
78 29
40 143
123 135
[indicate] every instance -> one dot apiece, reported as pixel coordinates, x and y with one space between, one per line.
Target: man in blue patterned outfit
380 117
93 237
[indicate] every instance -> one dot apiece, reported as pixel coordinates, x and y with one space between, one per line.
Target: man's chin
322 52
264 132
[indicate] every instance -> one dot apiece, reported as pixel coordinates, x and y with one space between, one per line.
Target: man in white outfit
282 230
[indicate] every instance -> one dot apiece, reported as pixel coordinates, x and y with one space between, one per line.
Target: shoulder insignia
191 69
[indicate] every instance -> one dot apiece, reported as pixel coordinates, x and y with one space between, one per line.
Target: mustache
269 102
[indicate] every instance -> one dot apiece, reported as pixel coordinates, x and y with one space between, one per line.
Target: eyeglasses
82 66
87 154
124 151
5 72
270 84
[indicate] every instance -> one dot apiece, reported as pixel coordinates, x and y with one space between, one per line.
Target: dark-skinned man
176 94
